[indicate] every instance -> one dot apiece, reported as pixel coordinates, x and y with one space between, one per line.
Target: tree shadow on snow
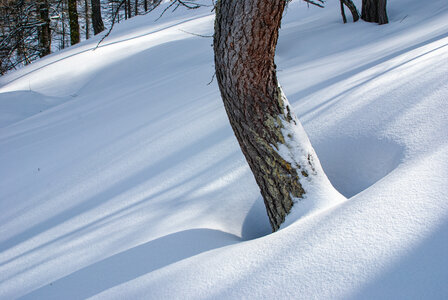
327 104
135 262
95 201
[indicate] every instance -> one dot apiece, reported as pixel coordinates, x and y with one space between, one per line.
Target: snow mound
18 105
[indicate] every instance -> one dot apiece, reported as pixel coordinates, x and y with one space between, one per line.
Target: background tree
351 6
129 8
87 18
32 29
374 11
44 28
74 25
271 138
97 20
24 36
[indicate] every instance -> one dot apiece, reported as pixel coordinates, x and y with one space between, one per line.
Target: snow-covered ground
120 176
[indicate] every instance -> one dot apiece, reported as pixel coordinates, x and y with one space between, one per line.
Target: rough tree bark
97 20
271 137
73 19
351 6
374 11
44 29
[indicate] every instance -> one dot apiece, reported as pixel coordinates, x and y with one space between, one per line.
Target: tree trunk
269 134
125 10
129 9
344 18
136 7
97 20
63 25
351 6
44 29
73 18
87 18
382 13
374 11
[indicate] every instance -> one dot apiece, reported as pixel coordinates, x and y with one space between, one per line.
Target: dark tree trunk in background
125 10
145 5
344 18
128 3
382 12
351 6
374 11
97 20
136 7
87 18
63 25
270 136
74 25
44 29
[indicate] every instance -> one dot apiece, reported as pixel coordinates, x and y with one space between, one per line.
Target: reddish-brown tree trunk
270 136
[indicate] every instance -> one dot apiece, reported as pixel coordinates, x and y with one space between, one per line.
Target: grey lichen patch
259 140
286 110
288 114
270 162
271 123
280 101
279 122
275 126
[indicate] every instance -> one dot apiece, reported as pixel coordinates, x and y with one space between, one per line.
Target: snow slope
121 177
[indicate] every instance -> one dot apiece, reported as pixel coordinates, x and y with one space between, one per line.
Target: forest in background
33 29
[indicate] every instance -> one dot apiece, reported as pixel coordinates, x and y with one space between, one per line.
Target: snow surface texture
121 177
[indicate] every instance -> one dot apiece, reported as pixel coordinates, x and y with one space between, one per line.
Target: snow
319 194
121 177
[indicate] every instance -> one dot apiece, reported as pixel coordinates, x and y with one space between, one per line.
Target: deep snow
121 177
